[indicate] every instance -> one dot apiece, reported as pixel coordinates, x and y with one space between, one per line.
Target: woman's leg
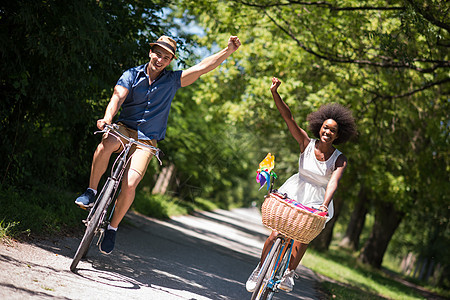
298 250
267 245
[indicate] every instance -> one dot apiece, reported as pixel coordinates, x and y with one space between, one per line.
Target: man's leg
100 161
129 183
125 199
101 158
140 159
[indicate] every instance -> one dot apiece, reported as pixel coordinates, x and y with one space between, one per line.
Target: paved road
208 255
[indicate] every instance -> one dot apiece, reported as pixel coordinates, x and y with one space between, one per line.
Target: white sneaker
250 285
287 281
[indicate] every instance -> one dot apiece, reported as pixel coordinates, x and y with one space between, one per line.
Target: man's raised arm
190 75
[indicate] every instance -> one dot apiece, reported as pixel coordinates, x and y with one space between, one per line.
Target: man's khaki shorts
140 156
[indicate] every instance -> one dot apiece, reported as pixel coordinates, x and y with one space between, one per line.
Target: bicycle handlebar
114 130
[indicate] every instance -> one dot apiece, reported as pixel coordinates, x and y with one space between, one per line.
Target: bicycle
273 268
96 221
277 260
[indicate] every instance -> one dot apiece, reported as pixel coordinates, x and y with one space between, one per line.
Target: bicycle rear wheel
261 291
94 222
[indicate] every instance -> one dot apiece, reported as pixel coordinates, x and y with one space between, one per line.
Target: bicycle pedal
84 208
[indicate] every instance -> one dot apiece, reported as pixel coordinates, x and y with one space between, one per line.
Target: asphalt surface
207 255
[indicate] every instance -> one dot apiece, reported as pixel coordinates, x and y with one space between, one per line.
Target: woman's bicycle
97 220
293 221
273 268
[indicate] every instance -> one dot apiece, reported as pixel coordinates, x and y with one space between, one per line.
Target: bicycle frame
280 265
95 221
273 268
117 172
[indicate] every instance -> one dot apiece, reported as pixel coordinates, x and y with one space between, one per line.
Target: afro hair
340 114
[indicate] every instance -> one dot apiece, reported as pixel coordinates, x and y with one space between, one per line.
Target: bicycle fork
281 264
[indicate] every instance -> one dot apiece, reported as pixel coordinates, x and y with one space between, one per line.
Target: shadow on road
205 256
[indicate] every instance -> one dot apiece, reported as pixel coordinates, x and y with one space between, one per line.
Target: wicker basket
291 221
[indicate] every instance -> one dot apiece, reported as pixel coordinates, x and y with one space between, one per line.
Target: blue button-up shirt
146 108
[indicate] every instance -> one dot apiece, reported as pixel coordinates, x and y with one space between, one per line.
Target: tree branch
424 12
325 4
412 92
386 63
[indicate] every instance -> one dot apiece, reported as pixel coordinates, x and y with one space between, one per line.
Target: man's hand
275 84
101 123
233 43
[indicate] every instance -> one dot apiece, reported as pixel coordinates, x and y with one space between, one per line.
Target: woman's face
329 131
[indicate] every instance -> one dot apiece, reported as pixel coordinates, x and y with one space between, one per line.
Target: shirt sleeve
177 78
127 79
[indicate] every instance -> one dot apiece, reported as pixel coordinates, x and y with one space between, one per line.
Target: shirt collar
143 70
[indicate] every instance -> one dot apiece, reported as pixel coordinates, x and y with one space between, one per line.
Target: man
145 94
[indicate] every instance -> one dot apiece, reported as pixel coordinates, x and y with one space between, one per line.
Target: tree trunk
323 240
356 224
163 180
387 220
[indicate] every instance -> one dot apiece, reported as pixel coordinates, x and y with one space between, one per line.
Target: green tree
387 61
60 62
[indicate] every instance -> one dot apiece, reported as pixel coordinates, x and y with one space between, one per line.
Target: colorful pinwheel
265 171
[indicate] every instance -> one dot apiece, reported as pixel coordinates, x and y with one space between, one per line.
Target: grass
42 210
6 230
348 279
164 206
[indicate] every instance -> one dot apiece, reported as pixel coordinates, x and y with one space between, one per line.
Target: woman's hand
275 84
323 207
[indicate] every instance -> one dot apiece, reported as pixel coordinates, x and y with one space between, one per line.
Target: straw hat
167 43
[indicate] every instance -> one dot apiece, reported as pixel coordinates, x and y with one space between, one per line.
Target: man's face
159 58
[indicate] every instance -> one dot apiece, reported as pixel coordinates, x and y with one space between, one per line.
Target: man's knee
109 144
133 178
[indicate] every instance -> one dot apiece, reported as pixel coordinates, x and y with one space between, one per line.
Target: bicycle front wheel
279 270
94 222
261 291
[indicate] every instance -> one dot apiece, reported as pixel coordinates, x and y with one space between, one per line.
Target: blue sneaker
87 199
107 245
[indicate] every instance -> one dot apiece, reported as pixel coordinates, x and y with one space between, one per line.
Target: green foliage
6 230
388 63
41 210
356 281
165 206
211 153
336 290
60 62
158 206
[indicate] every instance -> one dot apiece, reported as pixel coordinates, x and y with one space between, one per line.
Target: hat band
167 45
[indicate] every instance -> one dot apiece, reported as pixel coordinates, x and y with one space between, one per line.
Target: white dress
309 184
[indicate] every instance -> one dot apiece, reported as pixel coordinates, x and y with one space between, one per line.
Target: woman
320 168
